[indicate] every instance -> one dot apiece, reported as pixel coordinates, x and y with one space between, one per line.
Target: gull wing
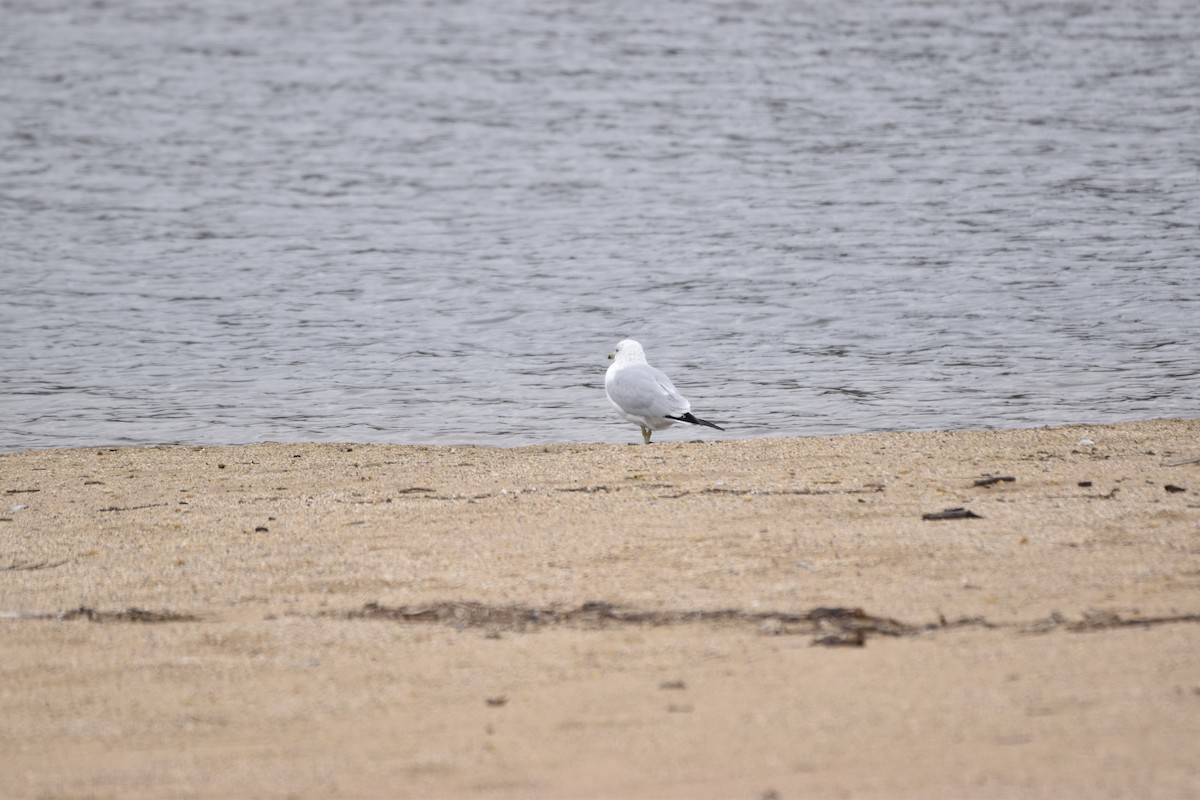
642 390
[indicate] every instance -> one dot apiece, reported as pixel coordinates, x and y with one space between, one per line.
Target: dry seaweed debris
132 614
951 513
597 615
829 626
30 566
1100 620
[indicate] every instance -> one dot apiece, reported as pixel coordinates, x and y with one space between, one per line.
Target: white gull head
628 352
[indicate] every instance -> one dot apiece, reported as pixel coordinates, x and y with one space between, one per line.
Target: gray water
430 222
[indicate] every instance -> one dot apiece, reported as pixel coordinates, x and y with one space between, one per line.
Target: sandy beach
760 619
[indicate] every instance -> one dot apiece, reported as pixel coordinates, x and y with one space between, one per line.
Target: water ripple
418 222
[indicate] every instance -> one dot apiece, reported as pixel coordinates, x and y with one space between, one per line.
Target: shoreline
728 618
703 436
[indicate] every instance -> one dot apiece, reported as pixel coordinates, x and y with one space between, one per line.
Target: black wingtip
692 418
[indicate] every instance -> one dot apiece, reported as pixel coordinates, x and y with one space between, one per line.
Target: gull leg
646 434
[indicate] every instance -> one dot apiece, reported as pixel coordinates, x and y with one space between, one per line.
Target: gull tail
692 418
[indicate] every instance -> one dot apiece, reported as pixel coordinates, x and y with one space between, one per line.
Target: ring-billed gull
644 395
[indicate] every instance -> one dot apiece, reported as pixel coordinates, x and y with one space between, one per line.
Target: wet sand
758 619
